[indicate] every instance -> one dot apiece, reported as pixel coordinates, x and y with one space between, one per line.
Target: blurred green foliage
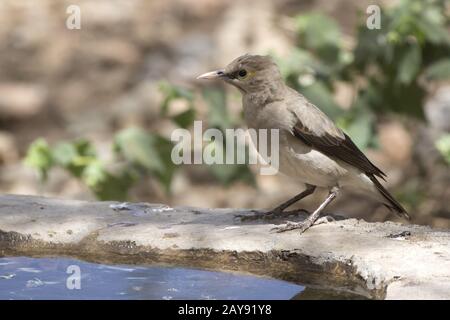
185 118
80 159
387 70
146 153
219 118
443 145
137 154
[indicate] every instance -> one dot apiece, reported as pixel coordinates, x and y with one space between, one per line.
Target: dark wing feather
335 143
327 138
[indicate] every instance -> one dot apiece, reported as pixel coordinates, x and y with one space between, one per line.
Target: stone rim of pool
378 260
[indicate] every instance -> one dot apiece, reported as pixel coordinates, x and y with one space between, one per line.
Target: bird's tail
392 204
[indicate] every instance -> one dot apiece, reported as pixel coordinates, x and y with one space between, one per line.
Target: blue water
48 278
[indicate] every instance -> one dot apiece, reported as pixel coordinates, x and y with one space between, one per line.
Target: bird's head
249 73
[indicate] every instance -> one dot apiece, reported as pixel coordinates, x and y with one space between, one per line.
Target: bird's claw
290 225
304 225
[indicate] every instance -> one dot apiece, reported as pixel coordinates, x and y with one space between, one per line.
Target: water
48 278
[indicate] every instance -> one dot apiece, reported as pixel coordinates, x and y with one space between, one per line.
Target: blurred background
88 113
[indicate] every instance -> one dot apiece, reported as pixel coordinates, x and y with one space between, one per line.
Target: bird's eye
242 73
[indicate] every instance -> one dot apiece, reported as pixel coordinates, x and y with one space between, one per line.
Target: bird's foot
304 225
290 225
270 215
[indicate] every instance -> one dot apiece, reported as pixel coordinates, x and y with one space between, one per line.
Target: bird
313 150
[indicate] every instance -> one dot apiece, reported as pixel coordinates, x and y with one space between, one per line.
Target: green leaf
172 92
434 33
358 124
185 119
164 147
105 185
149 151
79 158
371 45
227 174
94 174
139 147
298 61
361 132
64 153
439 70
218 116
410 63
113 187
443 145
74 156
39 157
321 96
317 30
321 35
85 148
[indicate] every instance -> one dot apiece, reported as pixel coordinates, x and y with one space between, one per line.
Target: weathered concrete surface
379 260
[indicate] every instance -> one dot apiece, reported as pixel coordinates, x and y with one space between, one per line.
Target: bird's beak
217 74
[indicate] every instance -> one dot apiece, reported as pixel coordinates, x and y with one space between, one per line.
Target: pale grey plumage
313 149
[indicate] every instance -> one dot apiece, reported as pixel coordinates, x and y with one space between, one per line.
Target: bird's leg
308 222
279 211
309 190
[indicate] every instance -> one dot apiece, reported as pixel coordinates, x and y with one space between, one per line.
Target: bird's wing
315 129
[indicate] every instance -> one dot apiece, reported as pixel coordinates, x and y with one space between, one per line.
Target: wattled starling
313 150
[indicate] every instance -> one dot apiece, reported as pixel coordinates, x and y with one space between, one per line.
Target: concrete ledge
378 260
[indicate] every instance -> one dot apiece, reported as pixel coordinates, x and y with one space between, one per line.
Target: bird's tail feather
392 204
